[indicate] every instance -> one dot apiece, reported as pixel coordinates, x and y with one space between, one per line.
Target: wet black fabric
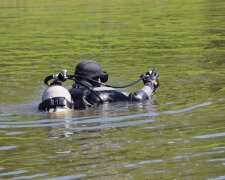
84 97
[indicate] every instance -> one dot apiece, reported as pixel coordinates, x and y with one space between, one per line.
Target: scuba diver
90 88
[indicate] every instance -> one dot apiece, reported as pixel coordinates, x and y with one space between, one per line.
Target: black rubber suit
84 97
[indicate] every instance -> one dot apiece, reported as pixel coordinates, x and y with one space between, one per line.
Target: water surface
178 134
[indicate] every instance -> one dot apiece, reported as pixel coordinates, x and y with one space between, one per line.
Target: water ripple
112 125
199 154
2 148
216 159
206 136
75 176
188 109
13 173
105 122
144 162
217 178
30 177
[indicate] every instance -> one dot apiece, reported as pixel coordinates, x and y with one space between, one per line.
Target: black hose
125 85
89 87
73 77
48 78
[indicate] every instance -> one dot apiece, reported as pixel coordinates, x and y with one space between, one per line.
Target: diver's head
90 70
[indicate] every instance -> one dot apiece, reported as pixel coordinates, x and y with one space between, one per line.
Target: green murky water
179 134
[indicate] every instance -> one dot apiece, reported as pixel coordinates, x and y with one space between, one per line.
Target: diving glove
151 77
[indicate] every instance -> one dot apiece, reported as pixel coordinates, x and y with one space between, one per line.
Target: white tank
57 91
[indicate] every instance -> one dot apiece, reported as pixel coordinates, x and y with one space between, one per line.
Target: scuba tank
55 98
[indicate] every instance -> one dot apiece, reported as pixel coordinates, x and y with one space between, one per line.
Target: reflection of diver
90 89
104 116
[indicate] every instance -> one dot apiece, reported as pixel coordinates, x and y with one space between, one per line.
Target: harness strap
55 102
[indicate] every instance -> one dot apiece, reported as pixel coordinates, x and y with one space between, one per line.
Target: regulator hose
73 77
58 80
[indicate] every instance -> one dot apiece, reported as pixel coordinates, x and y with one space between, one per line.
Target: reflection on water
91 139
179 134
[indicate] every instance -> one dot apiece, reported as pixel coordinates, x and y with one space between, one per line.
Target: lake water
178 134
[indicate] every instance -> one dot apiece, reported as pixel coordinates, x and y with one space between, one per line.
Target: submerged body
84 97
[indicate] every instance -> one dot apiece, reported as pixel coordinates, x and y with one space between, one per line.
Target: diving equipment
56 98
84 92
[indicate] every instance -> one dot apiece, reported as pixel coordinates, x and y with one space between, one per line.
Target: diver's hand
151 77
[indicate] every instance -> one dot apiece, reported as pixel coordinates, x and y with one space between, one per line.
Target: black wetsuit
84 97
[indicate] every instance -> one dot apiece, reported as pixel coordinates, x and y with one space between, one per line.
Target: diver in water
90 89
